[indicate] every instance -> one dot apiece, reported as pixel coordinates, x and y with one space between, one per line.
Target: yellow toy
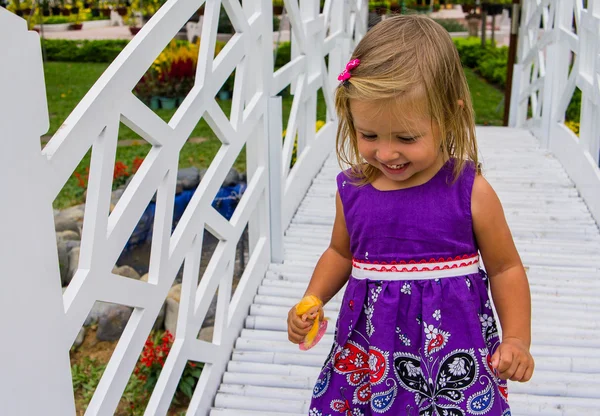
308 308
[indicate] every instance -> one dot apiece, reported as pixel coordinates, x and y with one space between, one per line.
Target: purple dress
416 330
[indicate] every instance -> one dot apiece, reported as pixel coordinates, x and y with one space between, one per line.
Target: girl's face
398 138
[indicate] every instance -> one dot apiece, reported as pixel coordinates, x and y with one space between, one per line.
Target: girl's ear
461 103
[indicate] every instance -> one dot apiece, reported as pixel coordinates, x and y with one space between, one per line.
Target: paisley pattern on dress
456 373
381 402
436 339
322 384
481 402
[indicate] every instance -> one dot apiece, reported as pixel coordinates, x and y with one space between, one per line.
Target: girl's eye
369 136
407 139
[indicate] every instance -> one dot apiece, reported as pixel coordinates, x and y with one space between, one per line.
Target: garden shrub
574 109
83 50
470 51
284 54
451 25
489 62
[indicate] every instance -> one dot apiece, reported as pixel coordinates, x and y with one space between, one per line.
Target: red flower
80 180
137 162
120 170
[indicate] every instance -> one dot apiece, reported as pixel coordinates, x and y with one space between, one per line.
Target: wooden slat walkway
559 243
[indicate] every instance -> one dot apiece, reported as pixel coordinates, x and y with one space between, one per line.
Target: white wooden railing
39 322
559 50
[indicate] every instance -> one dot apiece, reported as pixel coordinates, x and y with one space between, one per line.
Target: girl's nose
387 153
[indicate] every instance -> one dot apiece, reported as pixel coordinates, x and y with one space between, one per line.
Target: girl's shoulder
463 169
462 174
351 176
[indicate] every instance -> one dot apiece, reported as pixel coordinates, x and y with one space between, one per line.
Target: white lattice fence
37 380
559 50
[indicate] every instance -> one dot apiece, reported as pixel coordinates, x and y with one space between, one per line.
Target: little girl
416 333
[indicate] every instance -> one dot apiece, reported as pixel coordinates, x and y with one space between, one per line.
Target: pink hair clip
345 75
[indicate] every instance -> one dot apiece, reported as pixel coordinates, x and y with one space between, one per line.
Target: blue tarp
225 202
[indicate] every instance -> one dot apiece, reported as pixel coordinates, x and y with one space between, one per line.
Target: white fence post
275 179
35 369
569 54
515 97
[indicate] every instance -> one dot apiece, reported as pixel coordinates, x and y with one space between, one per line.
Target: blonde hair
398 56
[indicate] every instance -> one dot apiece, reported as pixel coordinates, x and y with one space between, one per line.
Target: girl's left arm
508 281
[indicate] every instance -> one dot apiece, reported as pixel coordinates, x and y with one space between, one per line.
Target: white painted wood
30 298
310 34
267 373
28 235
275 182
552 61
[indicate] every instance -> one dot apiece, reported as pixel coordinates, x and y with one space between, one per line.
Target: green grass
67 83
486 100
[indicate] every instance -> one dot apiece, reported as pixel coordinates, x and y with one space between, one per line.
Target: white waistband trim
415 271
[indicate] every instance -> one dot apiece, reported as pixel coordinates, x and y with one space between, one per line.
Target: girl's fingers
503 359
295 338
508 364
528 373
300 324
297 328
496 359
519 372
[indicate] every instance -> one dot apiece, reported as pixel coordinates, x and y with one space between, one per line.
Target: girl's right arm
330 274
334 266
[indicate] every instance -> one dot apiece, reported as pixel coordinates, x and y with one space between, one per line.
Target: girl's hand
299 326
513 361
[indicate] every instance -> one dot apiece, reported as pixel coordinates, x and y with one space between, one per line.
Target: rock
117 193
71 244
175 293
112 323
74 213
171 314
63 260
126 271
189 178
98 310
206 334
232 178
68 235
63 223
209 320
73 264
172 308
160 319
80 338
144 278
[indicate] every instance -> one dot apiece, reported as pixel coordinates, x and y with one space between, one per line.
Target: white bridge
547 178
